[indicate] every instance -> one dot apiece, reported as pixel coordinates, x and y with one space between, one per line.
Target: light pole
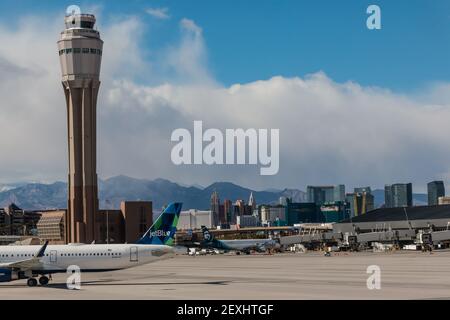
108 203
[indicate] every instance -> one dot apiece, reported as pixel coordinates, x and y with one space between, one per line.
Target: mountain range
112 191
35 196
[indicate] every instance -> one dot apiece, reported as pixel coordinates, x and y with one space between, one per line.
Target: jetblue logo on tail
163 230
159 233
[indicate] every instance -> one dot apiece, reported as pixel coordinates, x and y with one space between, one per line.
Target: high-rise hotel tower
80 51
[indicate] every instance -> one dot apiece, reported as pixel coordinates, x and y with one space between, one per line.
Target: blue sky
253 40
308 68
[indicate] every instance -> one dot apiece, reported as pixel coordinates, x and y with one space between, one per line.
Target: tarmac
292 276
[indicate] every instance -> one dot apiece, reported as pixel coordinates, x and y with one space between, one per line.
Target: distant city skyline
354 106
113 191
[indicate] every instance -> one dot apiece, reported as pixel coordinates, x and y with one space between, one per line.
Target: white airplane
30 262
245 245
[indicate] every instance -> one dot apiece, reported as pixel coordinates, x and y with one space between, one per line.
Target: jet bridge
314 237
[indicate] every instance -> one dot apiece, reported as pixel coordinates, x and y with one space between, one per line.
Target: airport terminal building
421 226
436 218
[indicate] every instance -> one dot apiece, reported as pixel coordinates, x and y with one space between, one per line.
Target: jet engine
7 275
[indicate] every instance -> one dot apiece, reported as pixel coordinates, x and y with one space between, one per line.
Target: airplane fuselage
89 258
243 245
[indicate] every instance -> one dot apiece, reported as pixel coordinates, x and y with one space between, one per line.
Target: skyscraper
325 194
215 208
80 52
360 202
388 202
252 202
228 208
398 195
436 189
339 193
240 204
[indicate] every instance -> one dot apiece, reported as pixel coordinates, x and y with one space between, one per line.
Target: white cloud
188 59
329 132
159 13
191 26
124 58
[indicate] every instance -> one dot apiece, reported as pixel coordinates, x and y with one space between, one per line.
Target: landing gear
43 281
32 282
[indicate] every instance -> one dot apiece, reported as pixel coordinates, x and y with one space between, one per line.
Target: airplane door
53 256
134 254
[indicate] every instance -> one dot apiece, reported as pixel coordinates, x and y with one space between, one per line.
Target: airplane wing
22 265
263 246
27 264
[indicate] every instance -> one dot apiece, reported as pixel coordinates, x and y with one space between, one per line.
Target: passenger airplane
30 262
245 245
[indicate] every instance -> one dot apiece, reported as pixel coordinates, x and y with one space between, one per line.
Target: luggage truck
424 241
349 242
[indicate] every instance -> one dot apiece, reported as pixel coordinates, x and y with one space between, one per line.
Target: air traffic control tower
80 52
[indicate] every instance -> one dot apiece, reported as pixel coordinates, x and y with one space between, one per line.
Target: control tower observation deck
80 48
80 51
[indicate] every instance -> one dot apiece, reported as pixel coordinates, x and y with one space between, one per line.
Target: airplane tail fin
163 230
207 236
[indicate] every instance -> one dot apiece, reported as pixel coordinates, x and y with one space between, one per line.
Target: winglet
41 252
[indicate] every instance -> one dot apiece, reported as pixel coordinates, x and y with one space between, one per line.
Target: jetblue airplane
30 262
245 245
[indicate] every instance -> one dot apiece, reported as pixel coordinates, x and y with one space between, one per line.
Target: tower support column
81 98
